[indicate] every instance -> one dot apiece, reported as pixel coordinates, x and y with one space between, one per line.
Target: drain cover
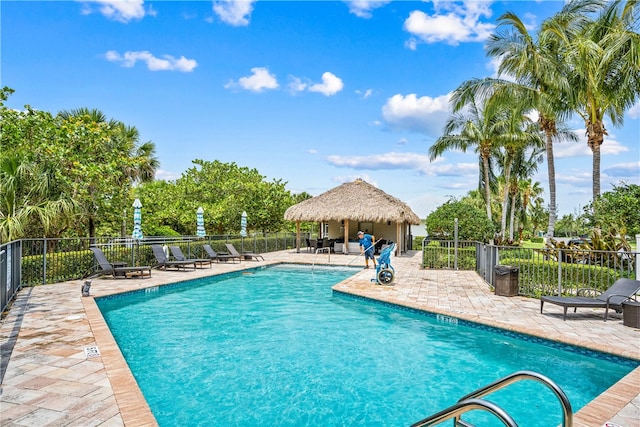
91 352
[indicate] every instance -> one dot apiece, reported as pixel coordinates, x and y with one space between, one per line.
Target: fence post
44 262
455 243
637 256
559 271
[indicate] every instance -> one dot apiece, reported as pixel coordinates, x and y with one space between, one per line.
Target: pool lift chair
384 270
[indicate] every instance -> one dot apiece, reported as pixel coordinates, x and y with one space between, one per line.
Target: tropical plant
617 209
603 64
535 75
473 125
472 224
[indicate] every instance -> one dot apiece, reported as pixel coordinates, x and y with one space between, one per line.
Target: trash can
506 280
631 314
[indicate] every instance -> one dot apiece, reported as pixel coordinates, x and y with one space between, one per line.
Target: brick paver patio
62 367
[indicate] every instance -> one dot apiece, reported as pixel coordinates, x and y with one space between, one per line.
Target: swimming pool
277 347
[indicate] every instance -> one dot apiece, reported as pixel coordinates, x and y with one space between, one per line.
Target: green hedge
64 265
540 277
436 257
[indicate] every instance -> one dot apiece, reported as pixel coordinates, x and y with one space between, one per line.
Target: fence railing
30 262
543 271
10 273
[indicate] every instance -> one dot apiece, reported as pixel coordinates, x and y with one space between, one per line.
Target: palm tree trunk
487 188
512 216
596 170
505 199
551 168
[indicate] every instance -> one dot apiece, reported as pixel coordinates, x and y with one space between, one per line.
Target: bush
436 257
537 239
473 223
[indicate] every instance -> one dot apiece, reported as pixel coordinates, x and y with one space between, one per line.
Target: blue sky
315 93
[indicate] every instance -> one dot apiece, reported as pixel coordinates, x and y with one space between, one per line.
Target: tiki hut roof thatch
355 201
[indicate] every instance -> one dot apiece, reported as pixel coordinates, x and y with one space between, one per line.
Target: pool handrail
464 406
473 401
567 412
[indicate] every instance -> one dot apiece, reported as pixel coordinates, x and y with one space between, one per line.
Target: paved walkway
61 367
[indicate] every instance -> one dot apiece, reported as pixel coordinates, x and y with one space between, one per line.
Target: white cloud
260 79
165 63
366 94
458 22
351 178
166 175
119 10
403 161
611 146
629 172
424 114
330 85
634 112
296 84
392 160
363 8
234 12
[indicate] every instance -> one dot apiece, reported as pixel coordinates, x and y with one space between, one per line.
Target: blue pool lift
384 270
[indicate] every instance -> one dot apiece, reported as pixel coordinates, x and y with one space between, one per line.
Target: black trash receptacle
631 314
506 280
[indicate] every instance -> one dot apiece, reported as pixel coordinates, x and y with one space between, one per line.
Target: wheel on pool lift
385 276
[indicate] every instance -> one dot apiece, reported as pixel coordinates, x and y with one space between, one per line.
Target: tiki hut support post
298 237
345 249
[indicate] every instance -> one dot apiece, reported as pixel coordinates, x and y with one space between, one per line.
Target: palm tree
529 193
474 128
540 77
524 166
28 193
138 162
603 57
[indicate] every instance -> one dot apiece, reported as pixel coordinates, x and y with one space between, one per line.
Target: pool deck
62 367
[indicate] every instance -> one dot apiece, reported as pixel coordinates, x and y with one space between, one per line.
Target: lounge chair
118 270
179 256
215 256
246 255
164 262
621 291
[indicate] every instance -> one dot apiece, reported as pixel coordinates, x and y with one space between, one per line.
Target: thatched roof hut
356 202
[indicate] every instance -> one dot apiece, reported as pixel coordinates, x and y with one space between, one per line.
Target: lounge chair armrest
626 297
592 291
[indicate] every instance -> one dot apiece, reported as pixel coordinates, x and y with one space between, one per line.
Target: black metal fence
10 274
30 262
543 271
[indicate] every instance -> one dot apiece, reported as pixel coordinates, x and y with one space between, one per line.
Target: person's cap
360 232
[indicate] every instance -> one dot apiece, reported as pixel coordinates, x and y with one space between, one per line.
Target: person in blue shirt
367 242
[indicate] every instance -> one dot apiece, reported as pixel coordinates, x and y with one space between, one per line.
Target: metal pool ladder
473 401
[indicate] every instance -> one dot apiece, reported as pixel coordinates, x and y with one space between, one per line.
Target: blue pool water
278 348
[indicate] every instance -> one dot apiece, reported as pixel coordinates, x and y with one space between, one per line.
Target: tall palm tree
603 57
539 77
471 126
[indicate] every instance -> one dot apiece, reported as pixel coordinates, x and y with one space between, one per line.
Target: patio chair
164 262
179 256
246 255
119 269
621 291
215 256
